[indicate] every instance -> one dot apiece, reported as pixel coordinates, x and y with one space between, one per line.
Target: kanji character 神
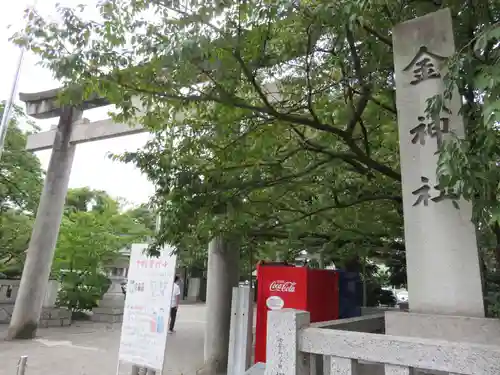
432 129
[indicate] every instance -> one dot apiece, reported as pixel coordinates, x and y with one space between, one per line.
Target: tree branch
365 89
290 118
341 205
312 146
310 106
378 102
376 34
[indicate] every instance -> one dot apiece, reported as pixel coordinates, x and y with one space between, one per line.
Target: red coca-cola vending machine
301 288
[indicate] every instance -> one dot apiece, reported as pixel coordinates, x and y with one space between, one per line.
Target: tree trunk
496 231
222 276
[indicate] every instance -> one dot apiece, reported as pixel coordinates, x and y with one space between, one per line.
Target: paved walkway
88 348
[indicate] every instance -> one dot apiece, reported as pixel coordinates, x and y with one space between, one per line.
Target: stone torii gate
70 131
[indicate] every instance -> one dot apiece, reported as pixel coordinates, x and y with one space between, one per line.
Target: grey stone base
51 316
55 317
257 369
107 314
6 312
443 327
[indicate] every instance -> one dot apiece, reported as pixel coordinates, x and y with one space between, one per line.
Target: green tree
144 215
85 199
468 167
21 176
92 234
15 233
21 180
314 167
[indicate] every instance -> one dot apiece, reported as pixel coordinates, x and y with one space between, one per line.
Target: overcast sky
91 167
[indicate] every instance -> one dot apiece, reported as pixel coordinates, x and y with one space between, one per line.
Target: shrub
81 291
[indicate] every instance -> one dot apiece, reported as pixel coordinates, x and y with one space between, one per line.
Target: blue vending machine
350 294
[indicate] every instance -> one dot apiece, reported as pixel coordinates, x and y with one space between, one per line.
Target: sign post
147 308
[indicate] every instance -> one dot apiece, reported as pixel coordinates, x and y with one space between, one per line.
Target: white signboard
147 307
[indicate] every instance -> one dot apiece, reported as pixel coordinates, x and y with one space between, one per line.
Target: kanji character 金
423 66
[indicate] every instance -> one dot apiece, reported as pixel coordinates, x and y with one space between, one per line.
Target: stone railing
374 323
51 316
293 345
8 290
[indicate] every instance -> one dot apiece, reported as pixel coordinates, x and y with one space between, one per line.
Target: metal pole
22 364
4 124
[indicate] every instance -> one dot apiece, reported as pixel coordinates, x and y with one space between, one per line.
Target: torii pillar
40 252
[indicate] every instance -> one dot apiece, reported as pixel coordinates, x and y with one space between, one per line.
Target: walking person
174 304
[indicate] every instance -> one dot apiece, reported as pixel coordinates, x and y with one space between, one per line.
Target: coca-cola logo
283 286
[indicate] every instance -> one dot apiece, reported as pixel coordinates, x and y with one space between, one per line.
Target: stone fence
293 347
8 290
51 315
370 323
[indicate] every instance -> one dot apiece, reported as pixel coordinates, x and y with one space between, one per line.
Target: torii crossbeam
83 132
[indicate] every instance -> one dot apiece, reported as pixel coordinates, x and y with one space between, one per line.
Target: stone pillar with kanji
441 251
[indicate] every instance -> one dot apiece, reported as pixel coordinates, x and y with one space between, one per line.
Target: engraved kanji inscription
437 130
424 66
423 193
431 129
441 196
419 132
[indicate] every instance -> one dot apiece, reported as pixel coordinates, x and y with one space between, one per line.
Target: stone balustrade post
282 349
240 334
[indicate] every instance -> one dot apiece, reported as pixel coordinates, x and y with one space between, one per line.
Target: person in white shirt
176 293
